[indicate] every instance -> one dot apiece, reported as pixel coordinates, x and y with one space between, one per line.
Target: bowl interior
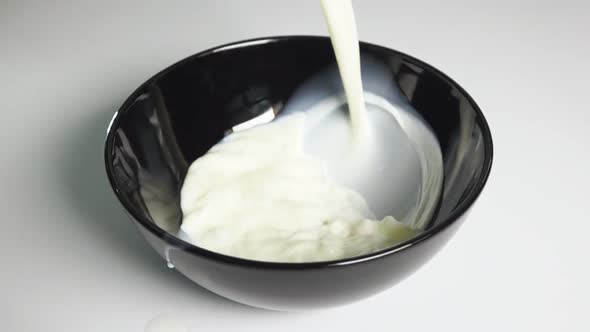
178 114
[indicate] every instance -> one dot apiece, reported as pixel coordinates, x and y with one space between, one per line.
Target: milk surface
258 195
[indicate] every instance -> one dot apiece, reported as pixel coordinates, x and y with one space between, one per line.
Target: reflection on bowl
178 114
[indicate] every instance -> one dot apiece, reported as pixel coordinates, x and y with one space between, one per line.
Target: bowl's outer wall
300 289
180 113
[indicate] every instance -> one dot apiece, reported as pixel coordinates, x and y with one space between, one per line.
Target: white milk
328 178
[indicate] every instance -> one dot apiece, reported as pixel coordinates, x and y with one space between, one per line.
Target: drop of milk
166 323
168 260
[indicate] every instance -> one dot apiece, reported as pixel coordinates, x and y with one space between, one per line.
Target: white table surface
71 261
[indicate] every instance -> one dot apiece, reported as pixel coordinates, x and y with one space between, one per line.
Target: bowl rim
457 212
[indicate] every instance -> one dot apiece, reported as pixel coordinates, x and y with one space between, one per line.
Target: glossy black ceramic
178 114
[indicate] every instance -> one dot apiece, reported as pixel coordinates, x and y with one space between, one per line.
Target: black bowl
178 114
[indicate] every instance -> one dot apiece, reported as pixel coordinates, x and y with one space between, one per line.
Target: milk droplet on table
166 323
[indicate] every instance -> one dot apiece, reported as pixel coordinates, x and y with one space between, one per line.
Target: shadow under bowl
181 112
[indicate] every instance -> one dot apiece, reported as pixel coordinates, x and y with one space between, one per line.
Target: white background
71 261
